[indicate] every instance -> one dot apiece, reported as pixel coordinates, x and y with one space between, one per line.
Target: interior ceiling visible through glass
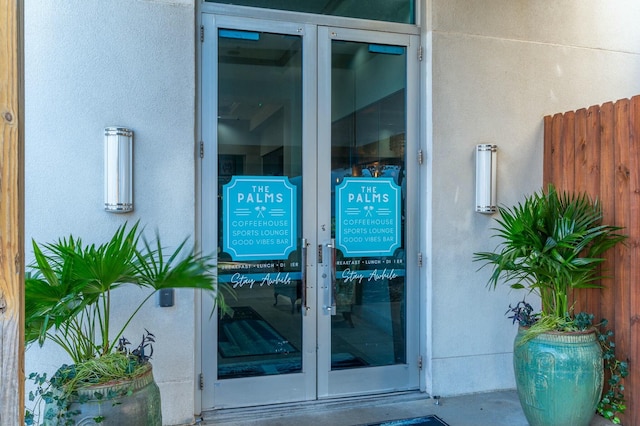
239 60
401 11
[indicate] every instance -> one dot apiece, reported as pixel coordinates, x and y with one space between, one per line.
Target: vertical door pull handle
303 276
332 266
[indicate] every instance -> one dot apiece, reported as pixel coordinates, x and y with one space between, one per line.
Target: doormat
416 421
246 333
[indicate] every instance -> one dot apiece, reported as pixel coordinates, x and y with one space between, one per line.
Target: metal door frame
317 383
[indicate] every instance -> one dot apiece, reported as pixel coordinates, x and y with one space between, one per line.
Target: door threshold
278 410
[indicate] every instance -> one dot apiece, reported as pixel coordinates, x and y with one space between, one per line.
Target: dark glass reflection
368 107
259 137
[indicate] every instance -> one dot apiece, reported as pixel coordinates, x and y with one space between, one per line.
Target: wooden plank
581 153
548 152
11 213
592 151
568 165
591 184
632 382
582 299
557 151
607 198
622 218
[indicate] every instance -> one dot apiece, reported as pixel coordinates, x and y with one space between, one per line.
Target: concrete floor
500 408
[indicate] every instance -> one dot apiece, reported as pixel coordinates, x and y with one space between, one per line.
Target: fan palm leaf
68 288
550 244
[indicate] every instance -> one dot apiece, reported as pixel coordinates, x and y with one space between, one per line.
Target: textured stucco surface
92 64
497 68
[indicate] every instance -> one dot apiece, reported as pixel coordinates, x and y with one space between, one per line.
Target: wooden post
11 212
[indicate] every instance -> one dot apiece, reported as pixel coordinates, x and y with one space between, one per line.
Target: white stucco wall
91 64
496 69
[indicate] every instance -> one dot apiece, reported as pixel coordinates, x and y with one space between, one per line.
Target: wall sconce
118 169
486 172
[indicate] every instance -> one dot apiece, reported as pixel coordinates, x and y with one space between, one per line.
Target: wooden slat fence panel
607 197
556 160
590 174
549 153
567 180
597 150
622 253
633 382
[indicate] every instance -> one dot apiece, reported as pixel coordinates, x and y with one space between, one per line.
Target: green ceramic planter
559 377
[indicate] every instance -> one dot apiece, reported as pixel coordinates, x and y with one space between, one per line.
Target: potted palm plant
551 245
68 301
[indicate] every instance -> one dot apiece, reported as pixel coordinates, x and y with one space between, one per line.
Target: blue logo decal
260 217
367 216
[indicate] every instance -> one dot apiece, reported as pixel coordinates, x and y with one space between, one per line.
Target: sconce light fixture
486 172
118 169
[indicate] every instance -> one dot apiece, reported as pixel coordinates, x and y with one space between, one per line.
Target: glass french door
368 311
306 201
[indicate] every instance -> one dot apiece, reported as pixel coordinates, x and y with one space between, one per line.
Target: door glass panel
259 208
401 11
368 185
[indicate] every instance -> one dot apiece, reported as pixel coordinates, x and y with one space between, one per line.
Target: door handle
303 276
330 289
332 266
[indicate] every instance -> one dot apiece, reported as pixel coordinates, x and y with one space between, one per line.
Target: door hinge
201 33
420 53
201 381
420 260
420 156
420 363
201 149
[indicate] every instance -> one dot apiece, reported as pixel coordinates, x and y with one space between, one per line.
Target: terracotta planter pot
559 377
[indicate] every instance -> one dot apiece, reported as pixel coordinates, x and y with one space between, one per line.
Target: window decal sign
260 217
367 216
